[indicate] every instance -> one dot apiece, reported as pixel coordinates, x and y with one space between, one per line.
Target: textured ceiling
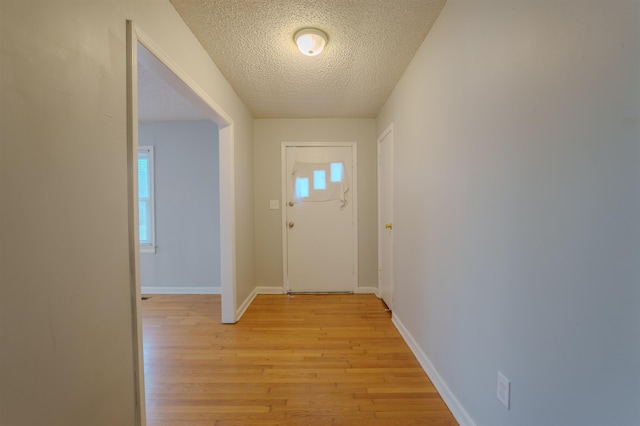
371 42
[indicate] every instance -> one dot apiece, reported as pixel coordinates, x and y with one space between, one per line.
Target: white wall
269 135
187 208
66 345
517 237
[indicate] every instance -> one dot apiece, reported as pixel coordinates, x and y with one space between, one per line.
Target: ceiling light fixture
310 41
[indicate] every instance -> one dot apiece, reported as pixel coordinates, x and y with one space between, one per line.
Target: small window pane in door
302 187
319 179
336 172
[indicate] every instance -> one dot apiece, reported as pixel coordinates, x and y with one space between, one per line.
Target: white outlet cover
504 390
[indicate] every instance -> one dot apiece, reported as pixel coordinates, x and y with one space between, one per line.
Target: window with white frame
146 206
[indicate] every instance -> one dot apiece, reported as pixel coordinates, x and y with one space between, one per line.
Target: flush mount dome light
310 41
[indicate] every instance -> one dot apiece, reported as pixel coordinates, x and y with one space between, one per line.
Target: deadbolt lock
388 226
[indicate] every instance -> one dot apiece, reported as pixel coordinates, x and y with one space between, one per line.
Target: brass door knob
290 224
388 226
290 203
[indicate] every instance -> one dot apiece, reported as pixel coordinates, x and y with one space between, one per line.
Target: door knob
388 226
290 224
290 203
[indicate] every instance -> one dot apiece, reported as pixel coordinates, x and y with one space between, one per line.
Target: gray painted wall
187 257
517 185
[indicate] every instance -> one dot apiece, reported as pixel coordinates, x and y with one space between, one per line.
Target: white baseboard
458 411
180 290
247 302
367 290
258 290
280 290
270 290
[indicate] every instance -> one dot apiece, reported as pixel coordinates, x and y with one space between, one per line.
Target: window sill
147 249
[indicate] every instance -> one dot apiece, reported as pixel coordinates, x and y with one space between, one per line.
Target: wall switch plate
504 390
274 204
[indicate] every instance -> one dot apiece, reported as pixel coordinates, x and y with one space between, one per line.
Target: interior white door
385 217
319 219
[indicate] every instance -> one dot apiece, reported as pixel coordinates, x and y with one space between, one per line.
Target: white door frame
381 224
354 196
173 75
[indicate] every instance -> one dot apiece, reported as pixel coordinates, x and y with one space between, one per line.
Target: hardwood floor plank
291 360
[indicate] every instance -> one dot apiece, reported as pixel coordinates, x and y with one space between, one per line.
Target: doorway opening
142 49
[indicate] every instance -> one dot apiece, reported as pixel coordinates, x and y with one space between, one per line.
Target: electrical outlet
274 204
504 390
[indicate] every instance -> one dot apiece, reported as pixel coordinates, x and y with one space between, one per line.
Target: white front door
385 216
319 219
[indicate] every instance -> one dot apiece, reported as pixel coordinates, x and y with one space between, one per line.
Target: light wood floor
291 360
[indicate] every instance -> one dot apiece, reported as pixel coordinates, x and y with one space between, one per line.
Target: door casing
385 265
